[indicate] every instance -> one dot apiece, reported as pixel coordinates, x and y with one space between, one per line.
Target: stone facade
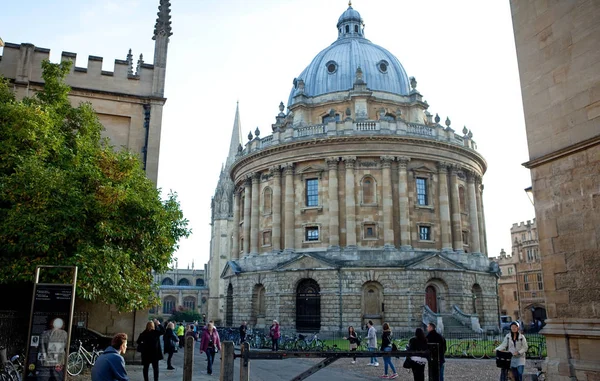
508 291
181 289
359 206
128 100
559 65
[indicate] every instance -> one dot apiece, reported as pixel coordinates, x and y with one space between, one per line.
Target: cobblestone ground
455 369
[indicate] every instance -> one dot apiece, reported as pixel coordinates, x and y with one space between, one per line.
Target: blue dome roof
334 68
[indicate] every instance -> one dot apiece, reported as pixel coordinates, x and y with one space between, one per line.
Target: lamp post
529 191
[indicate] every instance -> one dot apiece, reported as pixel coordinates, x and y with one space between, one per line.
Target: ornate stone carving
332 163
386 161
163 21
403 161
350 161
442 166
275 171
288 168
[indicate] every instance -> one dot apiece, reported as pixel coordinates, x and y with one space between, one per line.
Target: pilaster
276 228
350 162
405 243
334 206
444 202
254 214
457 242
235 244
473 221
289 207
387 202
479 194
247 203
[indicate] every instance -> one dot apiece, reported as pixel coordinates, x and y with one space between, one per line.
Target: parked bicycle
468 348
75 361
12 369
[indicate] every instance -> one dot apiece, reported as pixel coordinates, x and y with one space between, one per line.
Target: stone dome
334 68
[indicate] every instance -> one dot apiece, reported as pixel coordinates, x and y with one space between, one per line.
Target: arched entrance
308 306
477 295
431 298
372 303
229 307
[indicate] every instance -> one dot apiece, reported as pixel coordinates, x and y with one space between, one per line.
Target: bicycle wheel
478 350
454 351
74 364
533 352
11 372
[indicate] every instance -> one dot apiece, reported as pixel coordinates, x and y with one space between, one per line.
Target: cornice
562 152
296 145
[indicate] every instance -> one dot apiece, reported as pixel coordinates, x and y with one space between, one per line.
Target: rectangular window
529 255
312 233
422 191
540 282
526 282
510 270
425 233
515 295
369 231
267 238
312 192
465 238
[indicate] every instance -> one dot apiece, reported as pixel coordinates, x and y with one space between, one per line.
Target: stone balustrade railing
470 321
350 127
432 317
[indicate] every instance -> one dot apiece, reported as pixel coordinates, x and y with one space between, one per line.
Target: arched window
355 28
168 305
242 202
347 28
167 282
259 305
368 191
477 295
189 302
308 306
461 198
199 282
183 282
267 200
229 306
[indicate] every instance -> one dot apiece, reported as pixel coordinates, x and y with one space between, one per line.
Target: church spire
235 138
162 32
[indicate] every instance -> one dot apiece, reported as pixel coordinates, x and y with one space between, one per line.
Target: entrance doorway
229 307
308 306
431 298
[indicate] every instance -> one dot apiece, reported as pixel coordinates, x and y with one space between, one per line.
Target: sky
461 52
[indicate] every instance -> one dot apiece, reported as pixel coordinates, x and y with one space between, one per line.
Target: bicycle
536 351
314 343
12 369
468 348
75 360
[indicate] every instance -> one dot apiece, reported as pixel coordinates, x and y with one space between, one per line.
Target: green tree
68 198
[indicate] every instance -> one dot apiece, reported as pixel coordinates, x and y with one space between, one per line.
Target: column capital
256 177
472 176
386 161
288 168
275 171
248 179
403 161
332 162
454 168
442 166
350 161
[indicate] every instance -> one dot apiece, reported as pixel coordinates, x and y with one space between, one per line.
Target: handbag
503 359
408 363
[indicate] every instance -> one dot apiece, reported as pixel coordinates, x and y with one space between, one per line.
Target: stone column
334 205
403 203
247 201
350 202
235 244
387 202
276 228
457 242
473 221
479 195
288 170
444 202
255 213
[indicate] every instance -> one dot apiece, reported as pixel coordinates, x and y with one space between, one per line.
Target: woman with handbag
515 343
211 344
417 363
353 341
170 341
149 344
386 346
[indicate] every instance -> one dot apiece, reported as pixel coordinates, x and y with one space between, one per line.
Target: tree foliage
68 198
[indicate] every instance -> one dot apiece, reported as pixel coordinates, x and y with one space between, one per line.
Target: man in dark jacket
110 366
243 329
434 337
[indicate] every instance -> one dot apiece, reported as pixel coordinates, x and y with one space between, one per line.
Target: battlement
23 64
523 226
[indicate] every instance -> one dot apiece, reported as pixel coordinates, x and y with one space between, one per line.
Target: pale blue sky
461 53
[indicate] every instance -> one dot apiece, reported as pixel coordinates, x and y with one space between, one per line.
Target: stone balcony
287 134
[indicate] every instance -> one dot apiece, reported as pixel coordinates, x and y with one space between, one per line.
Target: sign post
50 328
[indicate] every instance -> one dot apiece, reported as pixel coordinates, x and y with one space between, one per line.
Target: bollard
434 362
227 361
245 362
188 359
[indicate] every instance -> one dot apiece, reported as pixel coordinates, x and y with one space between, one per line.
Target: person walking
110 365
386 346
418 343
372 342
180 334
243 329
170 341
211 344
275 334
149 345
434 337
515 343
353 341
191 333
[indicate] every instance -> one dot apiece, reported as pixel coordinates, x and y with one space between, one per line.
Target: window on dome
331 67
355 28
347 28
383 66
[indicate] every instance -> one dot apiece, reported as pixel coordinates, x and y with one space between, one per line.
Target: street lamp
529 191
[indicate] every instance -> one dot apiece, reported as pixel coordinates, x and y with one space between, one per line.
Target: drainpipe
147 128
340 298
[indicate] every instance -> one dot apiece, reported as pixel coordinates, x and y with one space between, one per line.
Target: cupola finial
350 3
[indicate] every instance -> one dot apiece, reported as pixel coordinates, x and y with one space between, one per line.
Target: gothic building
181 290
357 206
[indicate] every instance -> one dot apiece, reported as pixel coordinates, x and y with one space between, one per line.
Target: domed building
358 206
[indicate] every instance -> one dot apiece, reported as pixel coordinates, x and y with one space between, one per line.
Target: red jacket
206 338
274 332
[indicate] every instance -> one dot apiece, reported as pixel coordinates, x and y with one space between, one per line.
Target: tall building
128 100
358 205
181 290
129 103
559 65
508 292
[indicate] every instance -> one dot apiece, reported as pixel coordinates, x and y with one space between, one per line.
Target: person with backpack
353 340
515 343
386 346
